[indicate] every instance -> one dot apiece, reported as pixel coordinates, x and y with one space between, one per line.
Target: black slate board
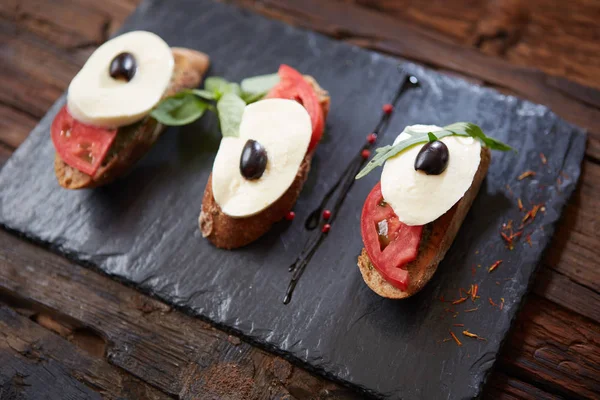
143 229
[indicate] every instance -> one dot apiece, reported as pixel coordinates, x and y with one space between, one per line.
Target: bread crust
229 233
439 237
190 67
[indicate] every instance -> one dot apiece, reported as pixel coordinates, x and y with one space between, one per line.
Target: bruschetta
258 175
410 218
106 126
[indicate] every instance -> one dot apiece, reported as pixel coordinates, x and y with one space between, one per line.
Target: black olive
253 161
123 66
433 158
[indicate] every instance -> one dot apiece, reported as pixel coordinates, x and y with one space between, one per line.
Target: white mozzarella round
418 198
95 98
284 129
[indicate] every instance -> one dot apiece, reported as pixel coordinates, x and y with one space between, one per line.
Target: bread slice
230 233
135 140
437 239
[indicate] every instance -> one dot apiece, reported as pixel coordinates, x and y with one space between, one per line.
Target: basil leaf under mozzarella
284 129
418 198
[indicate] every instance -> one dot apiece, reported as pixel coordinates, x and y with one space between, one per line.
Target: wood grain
552 353
5 153
180 355
578 234
560 289
560 351
15 125
504 387
34 73
557 38
29 352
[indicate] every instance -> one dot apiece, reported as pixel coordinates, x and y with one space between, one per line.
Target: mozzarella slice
418 198
96 98
284 128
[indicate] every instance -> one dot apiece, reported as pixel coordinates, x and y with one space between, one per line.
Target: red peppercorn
326 228
388 108
371 138
365 153
326 214
290 215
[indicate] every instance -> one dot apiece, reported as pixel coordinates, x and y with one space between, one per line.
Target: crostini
258 175
106 126
410 218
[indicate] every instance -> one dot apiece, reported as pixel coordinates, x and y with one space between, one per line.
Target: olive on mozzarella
122 80
123 66
253 161
432 158
255 169
419 198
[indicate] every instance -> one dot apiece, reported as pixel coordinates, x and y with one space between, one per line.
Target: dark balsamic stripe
344 184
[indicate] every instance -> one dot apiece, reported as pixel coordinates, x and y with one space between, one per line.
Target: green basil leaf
431 136
457 129
220 86
233 88
494 144
466 128
252 98
181 109
215 84
230 108
259 84
205 94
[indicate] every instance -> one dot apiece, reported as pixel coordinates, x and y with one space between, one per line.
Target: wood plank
577 235
559 39
14 126
556 349
180 355
503 387
5 153
69 24
562 290
34 73
143 333
49 366
382 32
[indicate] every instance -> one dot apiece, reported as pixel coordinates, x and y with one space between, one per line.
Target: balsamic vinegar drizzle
344 184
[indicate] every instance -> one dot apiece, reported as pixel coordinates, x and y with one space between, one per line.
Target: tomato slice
293 86
390 243
79 145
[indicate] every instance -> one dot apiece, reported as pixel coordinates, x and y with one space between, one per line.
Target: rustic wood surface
72 333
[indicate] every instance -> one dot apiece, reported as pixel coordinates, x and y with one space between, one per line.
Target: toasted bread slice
230 233
135 140
437 239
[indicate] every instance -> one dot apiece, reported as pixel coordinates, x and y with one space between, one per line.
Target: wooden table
68 332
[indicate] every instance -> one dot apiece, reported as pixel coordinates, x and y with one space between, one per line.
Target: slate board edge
568 193
269 347
550 228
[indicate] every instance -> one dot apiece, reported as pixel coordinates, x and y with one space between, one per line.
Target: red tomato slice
79 145
293 86
389 251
